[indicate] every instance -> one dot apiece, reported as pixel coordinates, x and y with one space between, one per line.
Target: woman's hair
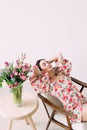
38 63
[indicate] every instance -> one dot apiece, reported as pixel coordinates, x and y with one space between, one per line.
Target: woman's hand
58 58
53 60
36 70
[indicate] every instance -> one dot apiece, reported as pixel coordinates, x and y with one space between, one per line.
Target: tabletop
9 110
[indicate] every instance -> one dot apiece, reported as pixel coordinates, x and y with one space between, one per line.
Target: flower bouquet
14 76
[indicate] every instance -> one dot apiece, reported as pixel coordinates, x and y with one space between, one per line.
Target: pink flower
24 69
6 63
18 61
10 86
17 67
23 77
15 73
11 75
15 84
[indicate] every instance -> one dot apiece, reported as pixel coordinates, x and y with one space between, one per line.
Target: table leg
26 119
10 125
31 123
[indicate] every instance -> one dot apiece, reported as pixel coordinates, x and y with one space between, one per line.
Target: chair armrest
81 83
55 107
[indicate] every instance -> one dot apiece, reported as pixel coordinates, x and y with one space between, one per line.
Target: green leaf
1 80
1 84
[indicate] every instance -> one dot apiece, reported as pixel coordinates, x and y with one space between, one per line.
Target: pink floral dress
64 89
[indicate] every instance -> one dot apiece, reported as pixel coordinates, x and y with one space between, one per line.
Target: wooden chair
56 107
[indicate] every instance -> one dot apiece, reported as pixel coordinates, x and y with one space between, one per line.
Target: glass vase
17 95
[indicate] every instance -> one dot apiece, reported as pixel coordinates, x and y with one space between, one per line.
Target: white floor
40 118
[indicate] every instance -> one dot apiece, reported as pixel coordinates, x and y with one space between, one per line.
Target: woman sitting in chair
57 82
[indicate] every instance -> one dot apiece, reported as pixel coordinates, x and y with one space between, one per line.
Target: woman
56 81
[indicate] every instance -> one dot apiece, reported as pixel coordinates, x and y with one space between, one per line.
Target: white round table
10 111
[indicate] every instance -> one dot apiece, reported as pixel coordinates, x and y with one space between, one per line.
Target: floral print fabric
64 89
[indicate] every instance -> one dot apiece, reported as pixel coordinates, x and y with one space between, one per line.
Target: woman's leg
84 113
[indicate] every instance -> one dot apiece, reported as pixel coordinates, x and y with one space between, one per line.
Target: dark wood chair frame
57 108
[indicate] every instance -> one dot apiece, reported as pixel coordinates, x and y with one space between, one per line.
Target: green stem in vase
17 95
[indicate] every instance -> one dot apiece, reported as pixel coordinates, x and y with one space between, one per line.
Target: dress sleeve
40 83
64 68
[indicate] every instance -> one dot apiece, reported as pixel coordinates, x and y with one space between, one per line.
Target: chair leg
69 124
48 124
50 119
10 124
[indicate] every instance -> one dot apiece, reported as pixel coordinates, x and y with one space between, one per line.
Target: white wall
42 28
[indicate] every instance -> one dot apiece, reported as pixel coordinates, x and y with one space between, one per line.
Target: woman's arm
36 73
58 58
39 81
63 65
